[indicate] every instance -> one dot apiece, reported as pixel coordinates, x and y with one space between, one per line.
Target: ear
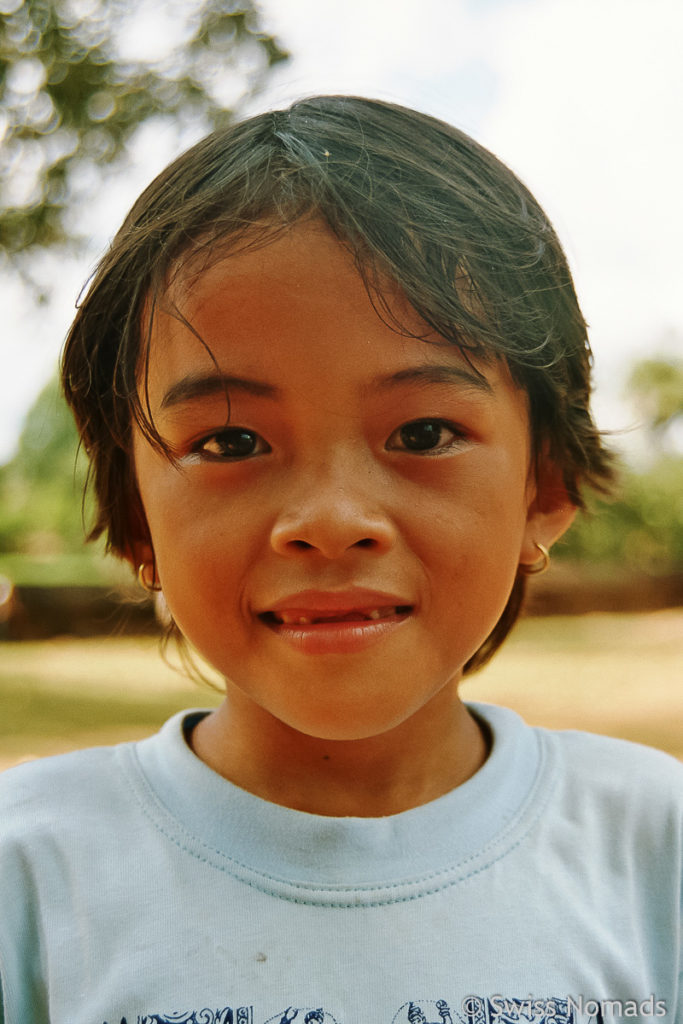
550 512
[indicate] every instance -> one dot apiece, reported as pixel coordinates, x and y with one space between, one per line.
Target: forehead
295 308
303 265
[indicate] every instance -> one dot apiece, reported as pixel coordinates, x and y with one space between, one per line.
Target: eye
231 443
425 436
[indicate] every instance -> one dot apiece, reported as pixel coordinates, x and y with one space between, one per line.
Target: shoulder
583 777
616 762
583 759
53 793
612 785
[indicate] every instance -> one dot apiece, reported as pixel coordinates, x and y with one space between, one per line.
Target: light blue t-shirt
138 886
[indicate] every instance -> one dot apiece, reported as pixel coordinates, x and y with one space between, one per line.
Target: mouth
316 623
315 617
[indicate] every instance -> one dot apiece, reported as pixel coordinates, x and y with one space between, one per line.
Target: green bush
642 529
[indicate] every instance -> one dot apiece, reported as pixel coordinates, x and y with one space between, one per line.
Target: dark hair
416 201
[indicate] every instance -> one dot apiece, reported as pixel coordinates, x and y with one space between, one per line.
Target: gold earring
539 567
151 587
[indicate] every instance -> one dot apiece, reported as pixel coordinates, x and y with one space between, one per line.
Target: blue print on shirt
302 1016
494 1009
241 1015
472 1009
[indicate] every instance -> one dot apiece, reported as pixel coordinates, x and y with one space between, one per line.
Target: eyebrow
436 375
195 386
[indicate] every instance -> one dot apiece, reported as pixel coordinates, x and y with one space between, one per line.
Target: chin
345 728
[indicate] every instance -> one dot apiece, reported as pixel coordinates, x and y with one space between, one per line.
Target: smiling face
341 538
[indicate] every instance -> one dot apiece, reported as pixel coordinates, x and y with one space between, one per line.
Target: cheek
478 512
203 552
204 574
471 541
201 541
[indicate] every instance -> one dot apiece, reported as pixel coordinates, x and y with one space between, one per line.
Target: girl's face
342 537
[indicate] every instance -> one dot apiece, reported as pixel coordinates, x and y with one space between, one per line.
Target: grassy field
616 674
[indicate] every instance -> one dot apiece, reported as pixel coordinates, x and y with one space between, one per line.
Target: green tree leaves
643 528
75 85
657 388
41 488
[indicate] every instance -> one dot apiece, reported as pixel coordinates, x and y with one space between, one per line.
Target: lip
343 636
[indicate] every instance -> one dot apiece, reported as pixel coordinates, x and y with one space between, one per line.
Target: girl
333 380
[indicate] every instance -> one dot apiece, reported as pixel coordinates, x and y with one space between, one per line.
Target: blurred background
582 98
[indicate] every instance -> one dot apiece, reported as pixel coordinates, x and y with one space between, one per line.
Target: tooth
374 614
304 620
286 618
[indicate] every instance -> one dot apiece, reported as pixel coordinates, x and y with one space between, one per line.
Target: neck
436 750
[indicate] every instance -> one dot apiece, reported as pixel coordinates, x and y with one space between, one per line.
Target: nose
330 512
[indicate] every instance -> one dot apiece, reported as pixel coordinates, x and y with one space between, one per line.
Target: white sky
583 98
